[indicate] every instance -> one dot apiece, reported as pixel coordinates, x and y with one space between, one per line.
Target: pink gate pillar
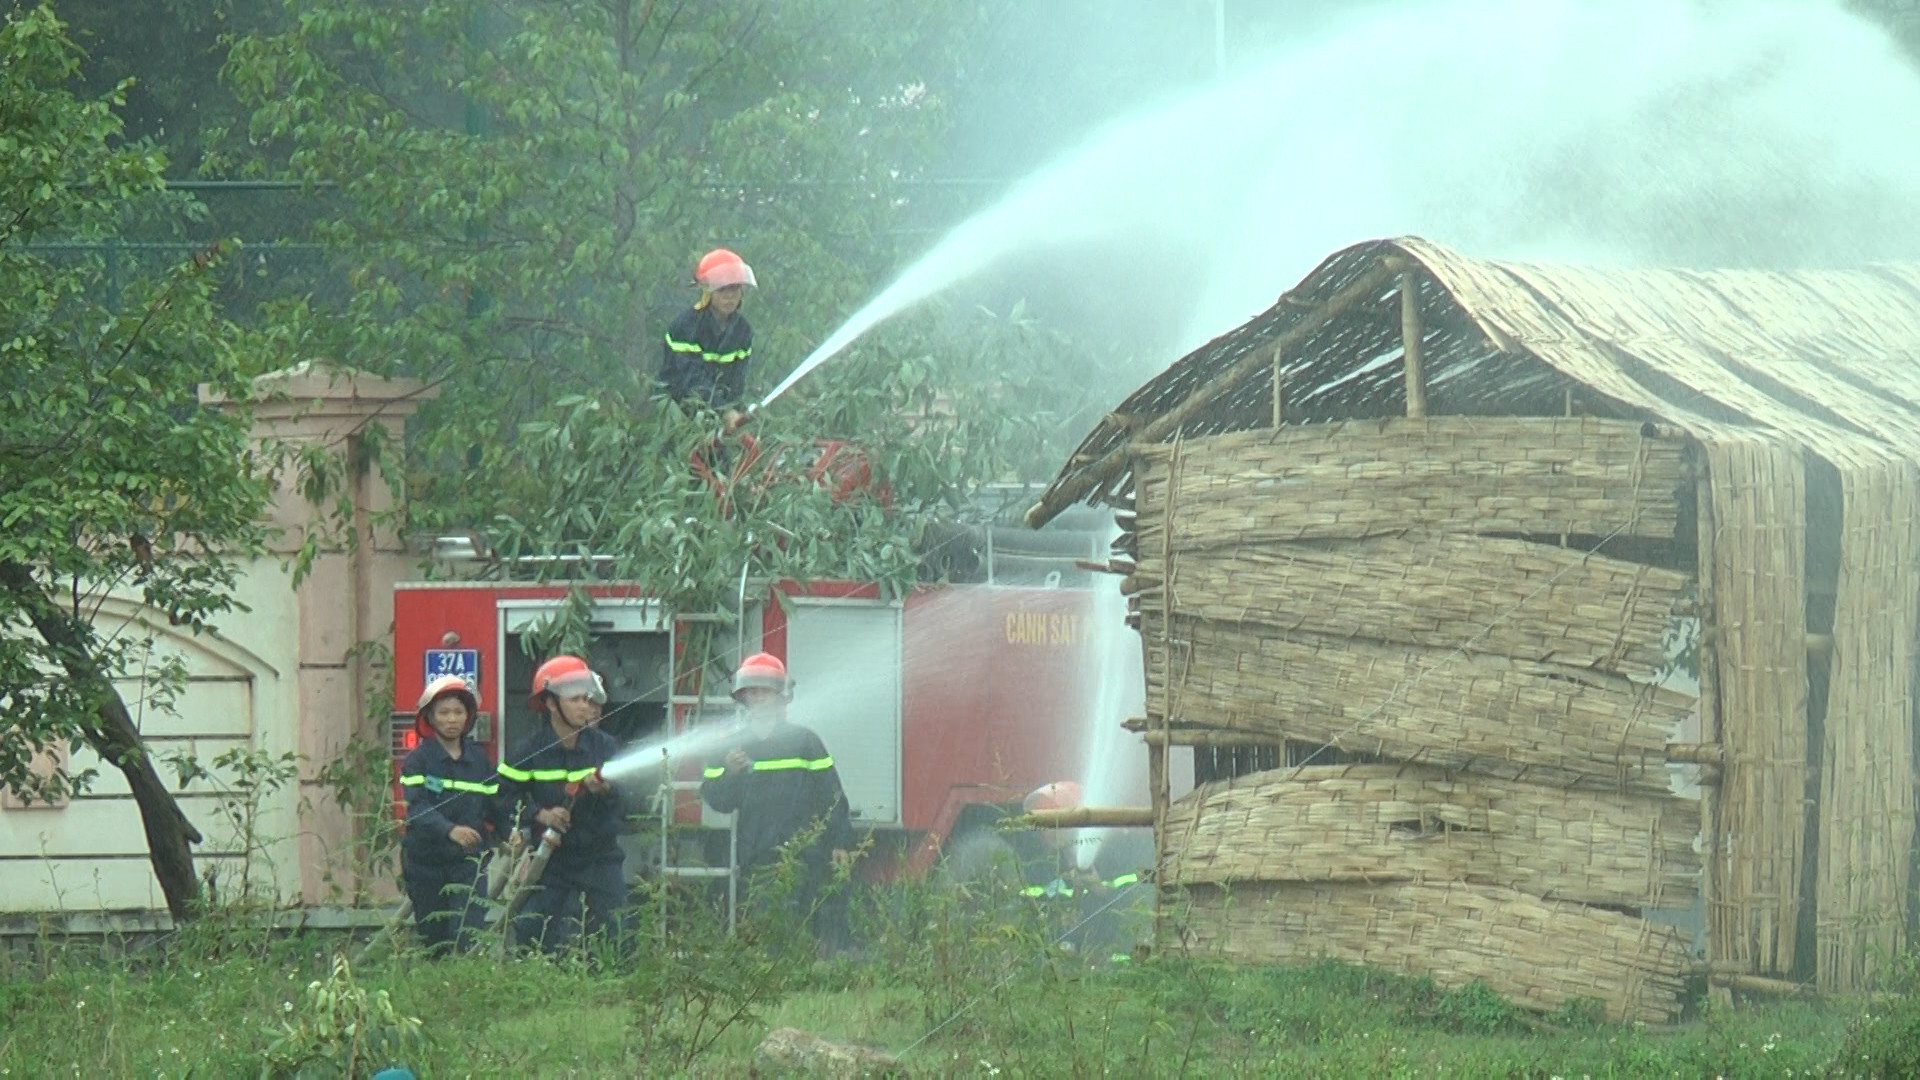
344 603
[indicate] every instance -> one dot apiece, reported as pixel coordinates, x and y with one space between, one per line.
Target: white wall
90 854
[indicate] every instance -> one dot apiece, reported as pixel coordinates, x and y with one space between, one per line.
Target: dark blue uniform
584 885
443 879
791 789
704 361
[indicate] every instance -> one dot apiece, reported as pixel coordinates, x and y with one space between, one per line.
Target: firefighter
553 776
782 783
453 817
703 364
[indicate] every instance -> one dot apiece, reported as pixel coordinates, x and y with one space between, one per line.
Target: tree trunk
112 735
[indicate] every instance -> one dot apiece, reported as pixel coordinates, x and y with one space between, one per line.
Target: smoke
1760 133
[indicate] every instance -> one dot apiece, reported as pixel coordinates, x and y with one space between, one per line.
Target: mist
1765 133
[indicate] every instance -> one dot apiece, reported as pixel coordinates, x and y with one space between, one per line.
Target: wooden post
1410 343
1279 390
1564 537
1157 756
1705 656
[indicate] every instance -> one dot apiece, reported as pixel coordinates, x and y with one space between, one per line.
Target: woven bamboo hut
1414 556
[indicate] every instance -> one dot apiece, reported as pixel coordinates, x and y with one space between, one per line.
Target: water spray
1760 134
655 756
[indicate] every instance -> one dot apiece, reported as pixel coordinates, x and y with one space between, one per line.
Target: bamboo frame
1410 346
1279 388
1096 475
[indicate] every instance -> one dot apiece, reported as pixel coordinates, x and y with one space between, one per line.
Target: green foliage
1885 1040
522 189
244 781
1475 1009
342 1030
1033 1017
689 995
117 479
360 781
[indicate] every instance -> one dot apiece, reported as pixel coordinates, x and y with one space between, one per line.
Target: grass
962 982
208 1013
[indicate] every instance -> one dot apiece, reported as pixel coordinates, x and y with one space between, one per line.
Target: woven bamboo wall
1335 584
1377 823
1538 952
1502 597
1491 714
1759 566
1384 477
1866 791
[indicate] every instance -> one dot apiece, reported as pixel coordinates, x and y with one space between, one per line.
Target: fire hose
529 872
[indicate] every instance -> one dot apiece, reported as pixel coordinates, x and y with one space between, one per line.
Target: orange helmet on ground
762 671
443 687
563 677
1059 795
720 269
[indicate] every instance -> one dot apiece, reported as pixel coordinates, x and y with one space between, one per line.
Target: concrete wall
283 673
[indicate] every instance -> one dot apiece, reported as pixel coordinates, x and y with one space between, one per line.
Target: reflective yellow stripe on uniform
1123 879
547 776
693 349
809 764
714 772
420 780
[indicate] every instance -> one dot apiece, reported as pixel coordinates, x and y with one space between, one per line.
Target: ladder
687 707
669 800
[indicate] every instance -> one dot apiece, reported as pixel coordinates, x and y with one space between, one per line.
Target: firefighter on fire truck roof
708 347
454 817
555 773
782 784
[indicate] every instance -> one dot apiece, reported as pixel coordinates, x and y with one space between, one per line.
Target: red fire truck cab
940 709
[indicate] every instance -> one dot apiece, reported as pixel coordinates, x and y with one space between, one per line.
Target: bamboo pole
1705 658
1158 777
1758 984
1279 390
1210 737
1071 489
1696 753
1085 817
1410 335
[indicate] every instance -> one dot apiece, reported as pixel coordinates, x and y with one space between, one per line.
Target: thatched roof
1829 359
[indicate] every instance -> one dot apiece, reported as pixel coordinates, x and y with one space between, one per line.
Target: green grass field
208 1010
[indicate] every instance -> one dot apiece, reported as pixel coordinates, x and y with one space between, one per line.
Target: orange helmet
762 671
721 268
444 686
565 676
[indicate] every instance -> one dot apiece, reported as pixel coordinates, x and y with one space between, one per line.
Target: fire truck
941 708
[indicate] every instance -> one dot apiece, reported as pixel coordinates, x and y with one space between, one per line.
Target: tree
113 478
523 188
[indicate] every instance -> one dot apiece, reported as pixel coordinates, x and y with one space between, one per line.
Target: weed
1885 1040
1476 1009
343 1030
